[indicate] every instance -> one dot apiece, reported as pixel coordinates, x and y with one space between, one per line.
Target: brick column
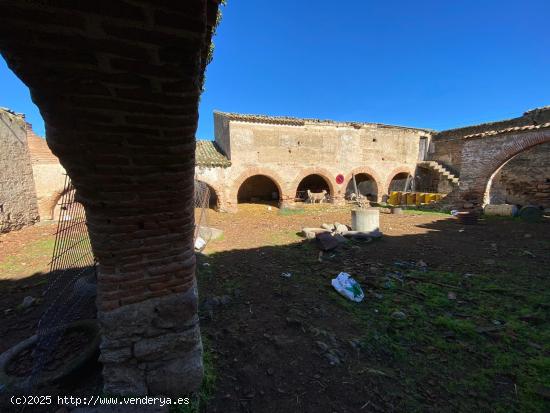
118 86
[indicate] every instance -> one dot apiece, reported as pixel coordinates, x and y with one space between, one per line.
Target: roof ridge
296 121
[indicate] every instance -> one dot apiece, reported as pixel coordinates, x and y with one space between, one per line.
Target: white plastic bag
199 243
348 287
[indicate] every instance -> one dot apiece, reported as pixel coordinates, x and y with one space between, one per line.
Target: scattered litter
461 230
389 284
28 302
269 208
528 253
200 244
454 212
421 264
399 315
451 295
206 264
348 287
286 274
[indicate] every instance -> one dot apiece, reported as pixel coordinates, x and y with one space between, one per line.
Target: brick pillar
118 86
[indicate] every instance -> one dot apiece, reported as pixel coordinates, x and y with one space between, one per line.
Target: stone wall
524 180
18 207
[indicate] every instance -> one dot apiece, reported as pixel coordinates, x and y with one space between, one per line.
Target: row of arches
265 187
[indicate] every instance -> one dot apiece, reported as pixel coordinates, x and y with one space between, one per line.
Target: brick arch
323 173
121 110
217 190
365 170
392 174
475 180
277 180
54 199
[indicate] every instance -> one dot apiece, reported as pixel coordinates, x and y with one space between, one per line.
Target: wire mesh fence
71 289
202 233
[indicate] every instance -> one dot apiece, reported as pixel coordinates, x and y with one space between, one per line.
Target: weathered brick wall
475 153
18 206
525 179
117 83
48 174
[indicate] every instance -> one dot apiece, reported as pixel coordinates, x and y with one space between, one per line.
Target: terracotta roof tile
288 120
208 154
508 130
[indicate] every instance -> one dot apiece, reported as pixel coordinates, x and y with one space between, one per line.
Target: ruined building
118 84
263 158
256 157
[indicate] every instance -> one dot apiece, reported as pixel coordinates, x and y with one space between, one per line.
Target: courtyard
455 317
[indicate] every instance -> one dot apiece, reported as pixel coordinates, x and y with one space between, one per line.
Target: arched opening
258 189
366 186
213 200
314 183
401 182
522 180
65 209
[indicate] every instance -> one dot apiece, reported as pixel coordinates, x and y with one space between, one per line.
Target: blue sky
434 64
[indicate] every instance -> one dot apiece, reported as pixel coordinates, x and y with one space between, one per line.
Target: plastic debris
286 274
200 244
399 315
348 287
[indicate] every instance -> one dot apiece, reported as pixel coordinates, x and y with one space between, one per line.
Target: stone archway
216 200
372 174
534 190
402 170
118 86
322 173
249 173
491 153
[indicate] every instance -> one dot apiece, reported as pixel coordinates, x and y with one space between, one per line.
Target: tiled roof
508 130
531 120
38 148
208 154
288 120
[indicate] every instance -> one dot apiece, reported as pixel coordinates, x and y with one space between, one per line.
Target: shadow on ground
464 332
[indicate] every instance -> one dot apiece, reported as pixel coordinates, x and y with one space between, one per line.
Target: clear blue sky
435 63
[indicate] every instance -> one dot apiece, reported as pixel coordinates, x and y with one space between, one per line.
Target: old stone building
486 156
263 158
257 157
18 206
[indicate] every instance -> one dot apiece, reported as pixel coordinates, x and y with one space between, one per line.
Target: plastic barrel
503 210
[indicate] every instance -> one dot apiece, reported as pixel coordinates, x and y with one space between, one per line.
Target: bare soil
475 333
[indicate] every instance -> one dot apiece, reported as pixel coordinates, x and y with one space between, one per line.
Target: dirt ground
455 318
